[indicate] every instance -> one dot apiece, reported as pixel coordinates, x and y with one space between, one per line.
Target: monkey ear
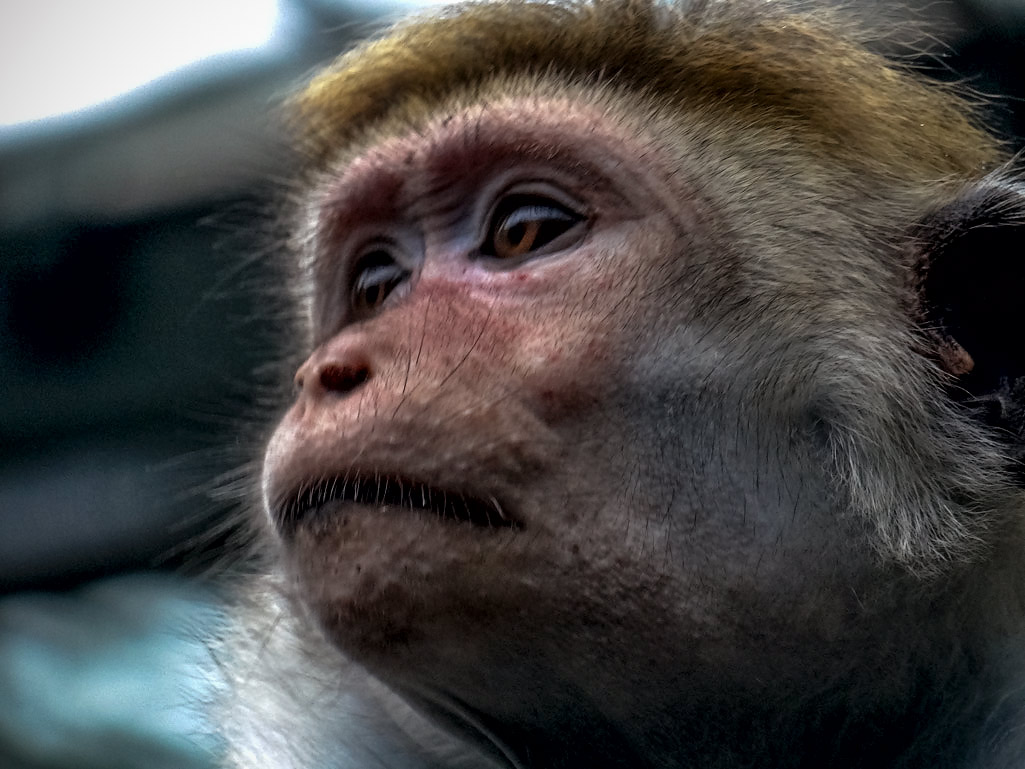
969 278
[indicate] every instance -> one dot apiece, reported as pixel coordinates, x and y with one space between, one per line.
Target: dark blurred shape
51 281
991 54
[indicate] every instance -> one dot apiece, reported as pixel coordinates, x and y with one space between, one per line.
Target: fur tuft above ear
970 288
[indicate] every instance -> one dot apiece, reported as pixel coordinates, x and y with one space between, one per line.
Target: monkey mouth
380 491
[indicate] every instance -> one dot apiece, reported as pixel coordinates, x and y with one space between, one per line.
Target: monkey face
505 439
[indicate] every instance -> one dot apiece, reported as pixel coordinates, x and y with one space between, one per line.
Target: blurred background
139 161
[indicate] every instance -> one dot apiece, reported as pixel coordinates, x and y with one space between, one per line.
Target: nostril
343 378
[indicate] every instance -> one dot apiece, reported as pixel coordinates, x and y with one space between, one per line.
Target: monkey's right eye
376 276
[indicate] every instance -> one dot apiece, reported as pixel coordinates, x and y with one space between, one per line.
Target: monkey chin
381 578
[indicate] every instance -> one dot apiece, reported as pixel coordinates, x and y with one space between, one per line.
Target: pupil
516 233
373 292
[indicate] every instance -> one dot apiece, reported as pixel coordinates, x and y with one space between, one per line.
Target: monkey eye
377 275
523 225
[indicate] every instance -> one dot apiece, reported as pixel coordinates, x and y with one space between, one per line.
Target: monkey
660 405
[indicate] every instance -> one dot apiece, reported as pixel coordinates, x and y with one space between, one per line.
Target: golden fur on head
762 59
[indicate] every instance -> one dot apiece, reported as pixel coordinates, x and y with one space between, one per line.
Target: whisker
388 491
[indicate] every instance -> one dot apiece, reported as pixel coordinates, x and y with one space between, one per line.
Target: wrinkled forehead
394 163
505 110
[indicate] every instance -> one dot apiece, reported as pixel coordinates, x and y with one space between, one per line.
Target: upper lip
377 490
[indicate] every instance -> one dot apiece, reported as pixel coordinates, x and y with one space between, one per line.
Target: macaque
661 407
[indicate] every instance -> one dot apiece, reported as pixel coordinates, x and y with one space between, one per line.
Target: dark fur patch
971 277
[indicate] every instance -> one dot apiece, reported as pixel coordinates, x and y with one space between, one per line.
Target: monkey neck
930 729
943 721
951 679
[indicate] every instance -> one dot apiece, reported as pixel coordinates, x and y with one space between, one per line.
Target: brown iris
525 224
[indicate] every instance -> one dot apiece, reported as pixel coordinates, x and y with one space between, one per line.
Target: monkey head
646 354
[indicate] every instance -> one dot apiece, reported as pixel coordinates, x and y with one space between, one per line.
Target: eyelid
393 273
545 195
539 189
524 228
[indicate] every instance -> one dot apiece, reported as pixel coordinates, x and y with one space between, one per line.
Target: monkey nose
340 378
